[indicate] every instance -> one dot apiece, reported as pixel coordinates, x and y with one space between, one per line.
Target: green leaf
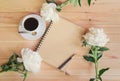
89 58
89 2
13 58
5 67
25 75
103 49
75 2
71 1
59 7
84 43
94 48
47 1
21 67
99 56
90 52
13 67
102 71
100 78
79 1
92 79
50 1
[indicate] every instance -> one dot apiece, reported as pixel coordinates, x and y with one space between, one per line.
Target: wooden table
101 13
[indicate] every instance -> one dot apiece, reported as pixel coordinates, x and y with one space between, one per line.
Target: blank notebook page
60 42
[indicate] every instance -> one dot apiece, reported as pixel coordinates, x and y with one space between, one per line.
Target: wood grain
101 13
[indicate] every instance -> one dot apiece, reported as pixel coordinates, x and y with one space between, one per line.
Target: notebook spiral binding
43 37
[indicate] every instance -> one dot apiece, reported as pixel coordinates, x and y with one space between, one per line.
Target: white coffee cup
32 27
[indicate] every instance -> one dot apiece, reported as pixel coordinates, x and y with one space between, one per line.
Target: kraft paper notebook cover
60 42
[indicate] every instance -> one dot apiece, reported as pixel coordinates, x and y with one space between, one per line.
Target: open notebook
60 43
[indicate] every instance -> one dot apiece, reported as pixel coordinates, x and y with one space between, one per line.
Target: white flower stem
96 65
96 70
65 3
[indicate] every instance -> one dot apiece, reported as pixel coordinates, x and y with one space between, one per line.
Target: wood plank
20 5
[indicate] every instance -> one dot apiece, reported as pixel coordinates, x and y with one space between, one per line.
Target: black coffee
31 24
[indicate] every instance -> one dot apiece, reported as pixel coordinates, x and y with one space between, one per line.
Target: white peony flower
31 60
96 37
48 12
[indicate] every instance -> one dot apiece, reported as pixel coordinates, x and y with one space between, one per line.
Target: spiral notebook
60 42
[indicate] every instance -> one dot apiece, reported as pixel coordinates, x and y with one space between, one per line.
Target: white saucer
39 30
